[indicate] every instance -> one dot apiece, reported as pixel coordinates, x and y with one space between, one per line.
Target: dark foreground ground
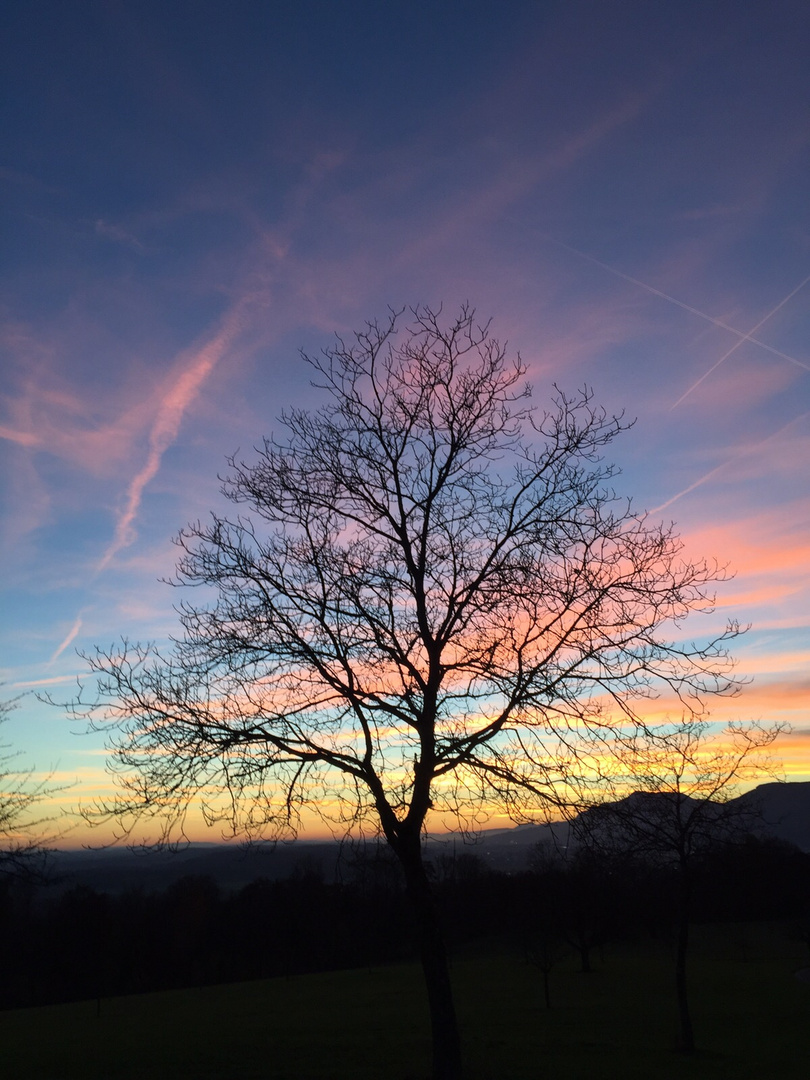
751 1012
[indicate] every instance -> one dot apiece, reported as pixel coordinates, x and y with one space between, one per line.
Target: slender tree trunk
547 987
585 959
687 1034
433 954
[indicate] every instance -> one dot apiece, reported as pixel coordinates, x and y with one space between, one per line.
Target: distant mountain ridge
784 810
779 809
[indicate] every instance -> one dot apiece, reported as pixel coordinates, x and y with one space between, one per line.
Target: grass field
752 1021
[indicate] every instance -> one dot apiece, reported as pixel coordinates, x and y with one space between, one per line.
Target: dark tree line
82 944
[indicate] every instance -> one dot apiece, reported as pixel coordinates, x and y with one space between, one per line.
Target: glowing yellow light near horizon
400 744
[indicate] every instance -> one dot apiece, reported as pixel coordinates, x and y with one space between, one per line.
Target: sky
193 192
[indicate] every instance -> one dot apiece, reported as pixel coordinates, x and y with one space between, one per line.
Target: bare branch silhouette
432 597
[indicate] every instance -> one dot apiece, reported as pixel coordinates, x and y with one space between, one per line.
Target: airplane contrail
734 457
74 630
737 344
680 303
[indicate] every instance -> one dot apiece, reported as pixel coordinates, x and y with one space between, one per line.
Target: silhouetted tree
582 897
545 952
191 907
585 907
431 588
681 777
23 834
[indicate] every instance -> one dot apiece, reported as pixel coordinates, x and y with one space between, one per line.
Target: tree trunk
443 1023
585 959
687 1035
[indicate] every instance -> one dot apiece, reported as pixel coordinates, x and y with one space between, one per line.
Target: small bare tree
682 778
545 952
433 594
24 833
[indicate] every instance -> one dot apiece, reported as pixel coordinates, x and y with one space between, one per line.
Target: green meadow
751 1014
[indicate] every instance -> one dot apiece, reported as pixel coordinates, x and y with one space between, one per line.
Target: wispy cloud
49 410
71 635
517 178
166 425
21 438
771 567
754 448
29 684
26 180
738 393
118 234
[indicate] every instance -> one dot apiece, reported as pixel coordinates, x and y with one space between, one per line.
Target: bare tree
545 951
682 778
432 596
24 833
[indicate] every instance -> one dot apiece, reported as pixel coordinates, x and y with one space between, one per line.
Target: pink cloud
741 386
49 411
33 683
171 409
758 543
29 504
21 438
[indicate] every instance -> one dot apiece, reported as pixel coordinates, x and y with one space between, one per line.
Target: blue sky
191 192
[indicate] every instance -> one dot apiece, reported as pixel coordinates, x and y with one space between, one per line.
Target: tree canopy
428 597
433 595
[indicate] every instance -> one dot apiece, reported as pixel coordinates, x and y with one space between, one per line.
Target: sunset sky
194 191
